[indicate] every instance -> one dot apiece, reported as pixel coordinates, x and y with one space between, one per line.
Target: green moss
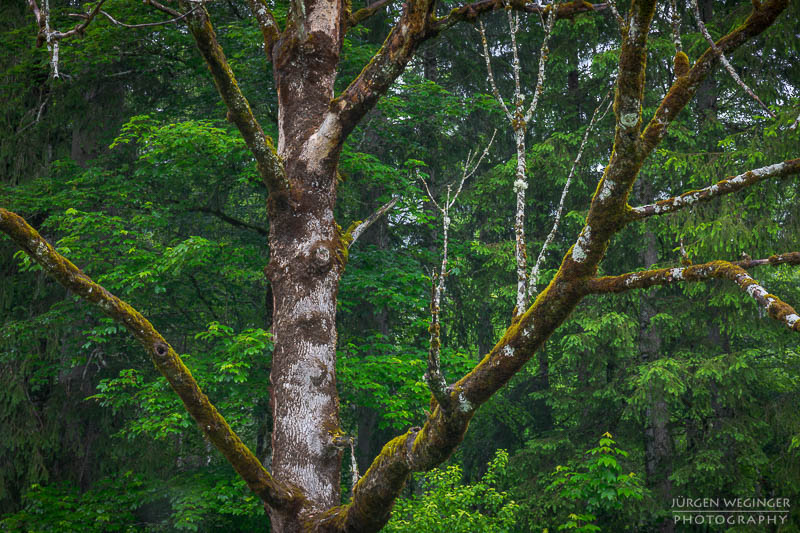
680 64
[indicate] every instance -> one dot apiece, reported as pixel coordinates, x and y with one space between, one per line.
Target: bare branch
490 74
231 220
518 119
733 271
543 54
470 165
471 12
612 5
415 25
361 227
724 60
729 185
434 376
675 22
533 279
150 24
168 362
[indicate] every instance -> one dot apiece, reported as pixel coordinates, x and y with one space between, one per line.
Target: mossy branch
166 360
270 31
357 228
728 185
730 270
471 12
630 81
269 163
354 19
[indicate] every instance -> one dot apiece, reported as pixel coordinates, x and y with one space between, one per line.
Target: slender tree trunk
520 252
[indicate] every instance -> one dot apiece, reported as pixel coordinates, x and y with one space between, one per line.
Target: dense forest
506 266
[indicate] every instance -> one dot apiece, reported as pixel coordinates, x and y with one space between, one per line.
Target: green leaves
447 505
596 485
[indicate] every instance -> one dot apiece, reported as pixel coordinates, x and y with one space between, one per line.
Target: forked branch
168 362
434 375
416 25
684 87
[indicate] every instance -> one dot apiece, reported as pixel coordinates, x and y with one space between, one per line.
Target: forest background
127 164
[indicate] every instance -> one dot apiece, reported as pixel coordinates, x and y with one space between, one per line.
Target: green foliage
596 488
447 505
109 506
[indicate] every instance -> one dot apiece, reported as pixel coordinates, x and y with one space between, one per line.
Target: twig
492 84
434 376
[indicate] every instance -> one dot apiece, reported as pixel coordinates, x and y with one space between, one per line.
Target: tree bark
305 266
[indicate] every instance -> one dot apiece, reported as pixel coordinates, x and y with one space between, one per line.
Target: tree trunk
657 439
304 270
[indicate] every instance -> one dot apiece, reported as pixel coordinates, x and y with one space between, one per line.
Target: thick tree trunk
305 268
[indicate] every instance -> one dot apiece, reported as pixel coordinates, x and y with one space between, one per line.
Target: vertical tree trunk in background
707 92
305 267
657 439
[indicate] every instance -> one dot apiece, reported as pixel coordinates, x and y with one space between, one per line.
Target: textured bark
166 360
306 264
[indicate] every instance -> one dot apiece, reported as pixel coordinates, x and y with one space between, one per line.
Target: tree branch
358 228
728 185
150 24
419 450
354 19
231 220
417 24
684 87
733 271
269 26
724 60
42 19
533 279
168 362
269 163
471 12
